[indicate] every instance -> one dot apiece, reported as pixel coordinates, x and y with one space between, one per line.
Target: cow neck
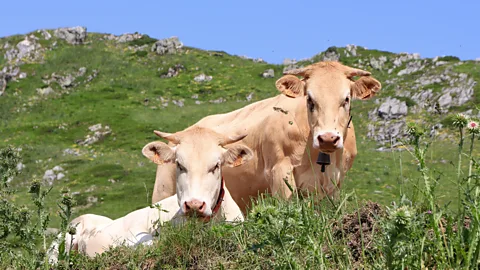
218 204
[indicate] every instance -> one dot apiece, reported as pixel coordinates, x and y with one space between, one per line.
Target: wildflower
473 128
460 120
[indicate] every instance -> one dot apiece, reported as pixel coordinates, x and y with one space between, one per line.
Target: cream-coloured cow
287 132
199 155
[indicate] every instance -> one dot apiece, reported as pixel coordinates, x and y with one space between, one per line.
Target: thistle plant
66 204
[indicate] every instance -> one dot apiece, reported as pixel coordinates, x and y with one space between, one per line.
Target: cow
287 132
199 155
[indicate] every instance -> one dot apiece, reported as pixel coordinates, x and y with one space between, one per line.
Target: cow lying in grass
287 132
199 155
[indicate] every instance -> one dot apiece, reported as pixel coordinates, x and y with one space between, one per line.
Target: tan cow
287 132
199 155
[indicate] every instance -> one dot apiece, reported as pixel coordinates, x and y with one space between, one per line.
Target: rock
92 199
352 49
22 75
392 108
46 35
167 46
269 73
99 133
3 83
128 37
173 71
291 67
202 78
331 54
288 62
49 177
111 181
195 96
255 60
73 35
164 101
60 176
403 57
66 81
26 47
179 103
391 131
412 67
198 102
73 152
378 63
82 71
218 100
95 127
445 101
91 76
20 166
57 169
45 91
249 97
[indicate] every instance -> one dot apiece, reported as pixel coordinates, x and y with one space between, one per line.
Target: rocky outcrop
46 35
172 71
97 133
290 64
167 46
351 50
3 83
202 78
387 131
124 37
331 54
53 174
378 63
27 50
72 35
392 108
412 67
68 80
269 73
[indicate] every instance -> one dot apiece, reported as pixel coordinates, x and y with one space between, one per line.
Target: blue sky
272 30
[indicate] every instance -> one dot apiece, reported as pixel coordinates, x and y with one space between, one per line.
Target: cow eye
310 104
180 167
347 100
215 168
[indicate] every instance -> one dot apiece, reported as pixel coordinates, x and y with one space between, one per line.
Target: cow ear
159 152
237 155
290 86
365 88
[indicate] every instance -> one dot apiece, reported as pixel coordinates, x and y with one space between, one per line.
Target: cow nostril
187 207
202 207
320 140
335 141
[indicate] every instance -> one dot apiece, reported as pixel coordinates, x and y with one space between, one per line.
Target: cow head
199 154
328 88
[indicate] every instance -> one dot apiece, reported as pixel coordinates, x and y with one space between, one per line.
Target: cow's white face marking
328 105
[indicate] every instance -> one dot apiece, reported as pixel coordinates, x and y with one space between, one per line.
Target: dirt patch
359 229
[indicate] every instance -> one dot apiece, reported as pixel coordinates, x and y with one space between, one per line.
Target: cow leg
165 182
282 172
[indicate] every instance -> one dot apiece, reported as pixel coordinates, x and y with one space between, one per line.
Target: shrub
145 39
449 58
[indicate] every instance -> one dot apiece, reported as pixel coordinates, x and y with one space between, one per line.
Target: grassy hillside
126 96
122 88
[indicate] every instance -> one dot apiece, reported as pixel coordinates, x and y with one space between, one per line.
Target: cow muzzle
195 207
328 142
